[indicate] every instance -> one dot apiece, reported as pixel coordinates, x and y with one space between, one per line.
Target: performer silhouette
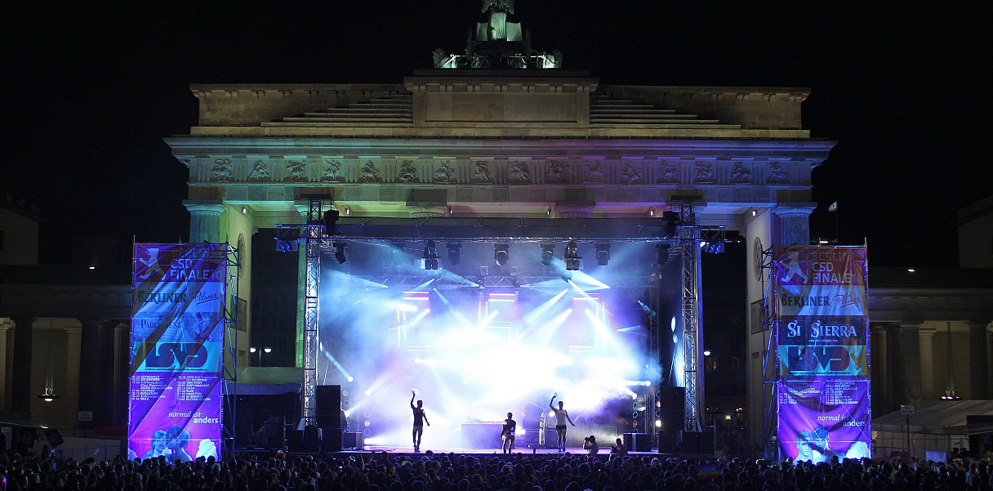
561 415
419 419
509 427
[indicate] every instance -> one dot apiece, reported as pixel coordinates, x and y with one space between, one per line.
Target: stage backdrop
821 326
174 403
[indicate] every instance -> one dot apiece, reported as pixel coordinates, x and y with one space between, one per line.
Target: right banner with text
821 326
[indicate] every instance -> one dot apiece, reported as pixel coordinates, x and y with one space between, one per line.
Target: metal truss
770 362
314 233
492 281
652 407
229 360
689 248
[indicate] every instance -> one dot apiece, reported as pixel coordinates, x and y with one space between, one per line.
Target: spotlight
331 220
662 254
286 238
501 253
287 245
571 256
602 254
430 256
547 253
670 220
715 247
454 253
339 251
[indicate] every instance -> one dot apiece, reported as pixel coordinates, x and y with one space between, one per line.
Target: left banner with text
177 339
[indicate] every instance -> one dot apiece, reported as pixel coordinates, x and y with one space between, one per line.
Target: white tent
936 427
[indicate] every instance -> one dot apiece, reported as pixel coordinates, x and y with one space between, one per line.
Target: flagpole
837 237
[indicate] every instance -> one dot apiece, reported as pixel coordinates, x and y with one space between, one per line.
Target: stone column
880 393
979 359
74 338
794 223
911 361
205 222
122 370
927 363
6 329
20 364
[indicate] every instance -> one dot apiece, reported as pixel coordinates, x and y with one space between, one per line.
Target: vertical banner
177 334
822 333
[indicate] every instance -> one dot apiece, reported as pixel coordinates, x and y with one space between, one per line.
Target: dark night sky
901 87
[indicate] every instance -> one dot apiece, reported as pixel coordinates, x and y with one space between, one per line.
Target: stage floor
479 451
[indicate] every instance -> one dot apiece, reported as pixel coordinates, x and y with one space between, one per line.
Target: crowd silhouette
382 471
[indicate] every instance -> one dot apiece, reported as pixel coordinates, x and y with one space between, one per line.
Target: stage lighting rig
547 253
670 220
339 251
602 254
454 253
571 257
501 253
714 247
331 221
661 254
287 238
431 262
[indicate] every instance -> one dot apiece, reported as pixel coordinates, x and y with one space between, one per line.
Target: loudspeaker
354 440
332 439
638 442
697 442
311 441
672 407
668 441
294 441
328 406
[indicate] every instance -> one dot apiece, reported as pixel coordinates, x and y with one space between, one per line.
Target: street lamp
267 350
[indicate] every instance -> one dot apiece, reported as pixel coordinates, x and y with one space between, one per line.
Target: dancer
561 415
509 427
419 419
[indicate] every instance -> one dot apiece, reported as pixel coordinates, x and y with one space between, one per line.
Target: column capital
204 220
794 209
794 223
204 206
574 209
303 208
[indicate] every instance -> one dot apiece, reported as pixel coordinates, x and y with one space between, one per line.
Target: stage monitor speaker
354 441
332 439
672 407
638 442
697 443
328 406
294 441
311 439
668 441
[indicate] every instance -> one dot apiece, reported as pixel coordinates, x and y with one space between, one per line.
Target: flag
706 472
833 206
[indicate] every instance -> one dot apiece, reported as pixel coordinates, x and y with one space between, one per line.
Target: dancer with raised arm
561 415
419 419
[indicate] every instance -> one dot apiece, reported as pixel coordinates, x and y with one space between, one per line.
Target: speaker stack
329 416
672 414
